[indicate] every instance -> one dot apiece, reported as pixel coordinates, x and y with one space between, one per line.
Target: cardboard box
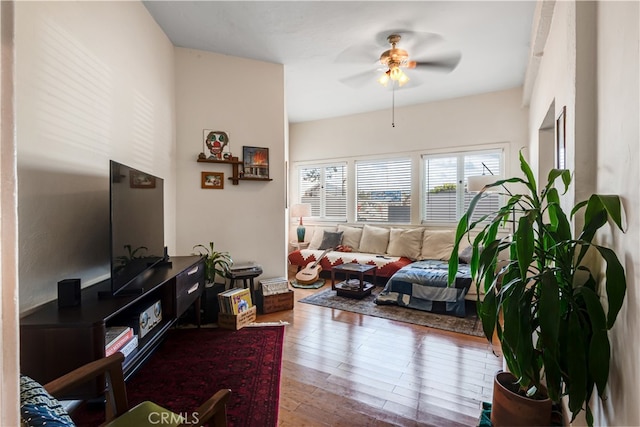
277 302
237 321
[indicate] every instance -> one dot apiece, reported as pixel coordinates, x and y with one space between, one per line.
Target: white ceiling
322 43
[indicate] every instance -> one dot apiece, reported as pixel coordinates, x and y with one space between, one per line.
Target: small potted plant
216 263
546 302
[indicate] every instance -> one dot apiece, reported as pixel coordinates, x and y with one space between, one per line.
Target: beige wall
94 82
595 74
244 98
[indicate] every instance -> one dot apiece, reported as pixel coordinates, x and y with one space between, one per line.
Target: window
445 183
383 191
325 188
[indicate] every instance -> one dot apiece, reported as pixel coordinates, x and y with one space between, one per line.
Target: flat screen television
136 224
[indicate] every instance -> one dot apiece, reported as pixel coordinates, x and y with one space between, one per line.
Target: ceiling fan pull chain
393 105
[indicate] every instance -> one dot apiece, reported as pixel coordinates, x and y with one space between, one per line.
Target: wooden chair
117 411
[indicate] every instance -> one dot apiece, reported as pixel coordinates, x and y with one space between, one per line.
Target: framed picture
256 162
212 180
141 180
215 144
561 143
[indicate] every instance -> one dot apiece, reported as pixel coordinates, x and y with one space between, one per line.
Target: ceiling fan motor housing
394 57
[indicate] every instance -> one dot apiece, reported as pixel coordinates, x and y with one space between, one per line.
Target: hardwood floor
348 369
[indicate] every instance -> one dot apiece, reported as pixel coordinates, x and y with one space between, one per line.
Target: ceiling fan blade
409 40
446 63
361 79
360 54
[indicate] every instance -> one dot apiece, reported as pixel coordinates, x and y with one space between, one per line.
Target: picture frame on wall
141 180
215 144
561 142
212 180
255 161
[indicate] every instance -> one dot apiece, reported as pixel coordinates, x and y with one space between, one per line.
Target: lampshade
301 210
476 183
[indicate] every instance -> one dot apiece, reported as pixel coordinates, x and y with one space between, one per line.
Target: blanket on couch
386 265
422 285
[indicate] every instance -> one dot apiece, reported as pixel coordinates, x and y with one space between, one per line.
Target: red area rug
192 364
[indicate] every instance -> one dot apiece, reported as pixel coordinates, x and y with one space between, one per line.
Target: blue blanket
422 285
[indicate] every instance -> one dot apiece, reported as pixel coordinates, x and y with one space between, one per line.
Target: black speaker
68 293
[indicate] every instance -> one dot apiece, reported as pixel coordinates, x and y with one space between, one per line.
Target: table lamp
301 210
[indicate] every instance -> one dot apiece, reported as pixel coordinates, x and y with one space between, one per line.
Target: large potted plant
216 263
546 301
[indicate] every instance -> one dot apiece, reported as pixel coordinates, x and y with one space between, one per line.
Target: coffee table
353 288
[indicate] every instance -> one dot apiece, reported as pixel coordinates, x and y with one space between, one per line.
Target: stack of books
235 301
120 338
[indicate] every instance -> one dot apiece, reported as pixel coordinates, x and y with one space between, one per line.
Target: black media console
54 341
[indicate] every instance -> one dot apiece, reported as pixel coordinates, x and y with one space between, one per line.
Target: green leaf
615 283
577 364
613 206
524 240
526 169
549 310
599 347
487 311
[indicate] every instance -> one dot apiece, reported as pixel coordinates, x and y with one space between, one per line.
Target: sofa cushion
39 408
330 239
374 240
437 244
405 242
351 236
318 235
465 255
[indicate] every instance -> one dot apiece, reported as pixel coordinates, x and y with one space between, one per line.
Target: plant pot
512 409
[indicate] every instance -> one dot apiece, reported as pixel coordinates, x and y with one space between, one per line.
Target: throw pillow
331 239
405 242
437 244
318 234
374 240
39 408
465 255
351 236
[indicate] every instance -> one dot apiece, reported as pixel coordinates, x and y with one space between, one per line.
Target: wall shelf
235 177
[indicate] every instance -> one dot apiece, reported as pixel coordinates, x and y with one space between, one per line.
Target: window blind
383 191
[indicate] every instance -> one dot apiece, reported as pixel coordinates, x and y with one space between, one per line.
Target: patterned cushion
39 408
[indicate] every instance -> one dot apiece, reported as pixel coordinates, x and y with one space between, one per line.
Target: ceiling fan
395 60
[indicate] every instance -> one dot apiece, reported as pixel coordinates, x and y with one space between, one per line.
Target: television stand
55 341
120 294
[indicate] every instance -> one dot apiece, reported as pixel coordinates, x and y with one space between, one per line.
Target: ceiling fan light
395 73
403 79
384 78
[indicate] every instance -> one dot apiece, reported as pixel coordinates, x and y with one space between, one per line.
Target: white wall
603 106
618 172
473 122
244 98
94 81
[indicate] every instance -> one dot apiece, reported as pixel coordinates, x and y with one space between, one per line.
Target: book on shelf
234 301
130 346
116 337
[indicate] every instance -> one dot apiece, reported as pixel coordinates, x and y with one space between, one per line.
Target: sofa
389 248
